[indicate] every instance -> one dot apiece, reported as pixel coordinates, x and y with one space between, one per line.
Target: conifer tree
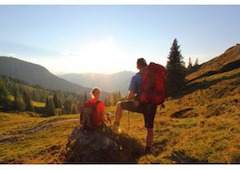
74 108
5 101
176 71
196 63
28 102
56 101
189 63
67 106
18 103
50 108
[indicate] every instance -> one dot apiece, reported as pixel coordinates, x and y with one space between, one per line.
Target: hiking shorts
148 111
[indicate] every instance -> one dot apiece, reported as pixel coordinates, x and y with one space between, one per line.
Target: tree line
113 98
17 96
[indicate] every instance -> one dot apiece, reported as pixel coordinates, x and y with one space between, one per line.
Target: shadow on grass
181 158
206 84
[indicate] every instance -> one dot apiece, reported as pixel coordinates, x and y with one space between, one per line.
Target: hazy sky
110 38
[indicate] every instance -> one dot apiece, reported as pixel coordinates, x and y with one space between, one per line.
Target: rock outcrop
102 146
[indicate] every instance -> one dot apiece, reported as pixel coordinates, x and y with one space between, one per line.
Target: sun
98 56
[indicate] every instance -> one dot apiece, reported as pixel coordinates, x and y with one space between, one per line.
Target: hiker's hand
130 95
107 116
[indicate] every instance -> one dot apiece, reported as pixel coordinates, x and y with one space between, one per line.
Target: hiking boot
116 129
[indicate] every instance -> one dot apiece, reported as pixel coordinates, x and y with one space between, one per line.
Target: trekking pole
129 121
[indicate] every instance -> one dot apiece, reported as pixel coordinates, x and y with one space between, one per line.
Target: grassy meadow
200 127
29 140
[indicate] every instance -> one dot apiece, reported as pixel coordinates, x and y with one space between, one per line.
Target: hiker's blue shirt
136 84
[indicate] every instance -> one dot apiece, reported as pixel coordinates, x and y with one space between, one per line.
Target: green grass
207 127
177 140
38 104
12 123
43 146
200 127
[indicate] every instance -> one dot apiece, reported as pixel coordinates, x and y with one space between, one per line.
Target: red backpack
153 84
88 111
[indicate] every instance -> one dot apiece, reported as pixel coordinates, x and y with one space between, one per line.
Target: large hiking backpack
153 84
87 113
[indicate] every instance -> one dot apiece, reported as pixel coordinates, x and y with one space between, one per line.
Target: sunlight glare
99 56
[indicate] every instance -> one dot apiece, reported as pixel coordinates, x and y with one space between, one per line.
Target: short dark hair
141 62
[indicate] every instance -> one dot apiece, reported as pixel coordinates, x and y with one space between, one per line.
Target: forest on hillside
19 96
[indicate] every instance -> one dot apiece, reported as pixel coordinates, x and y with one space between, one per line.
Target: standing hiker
132 104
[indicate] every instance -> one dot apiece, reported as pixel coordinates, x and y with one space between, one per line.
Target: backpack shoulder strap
97 102
95 106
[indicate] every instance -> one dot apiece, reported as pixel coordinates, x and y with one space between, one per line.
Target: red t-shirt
97 119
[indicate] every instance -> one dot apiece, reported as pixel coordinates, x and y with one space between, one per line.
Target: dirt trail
12 137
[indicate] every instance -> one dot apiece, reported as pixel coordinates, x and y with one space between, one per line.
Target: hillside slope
203 125
34 74
227 61
222 68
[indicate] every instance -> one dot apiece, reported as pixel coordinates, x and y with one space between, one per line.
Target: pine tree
49 107
189 64
5 101
56 101
74 108
67 106
196 63
18 103
28 102
108 101
176 71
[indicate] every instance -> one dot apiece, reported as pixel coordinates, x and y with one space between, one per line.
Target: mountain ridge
35 74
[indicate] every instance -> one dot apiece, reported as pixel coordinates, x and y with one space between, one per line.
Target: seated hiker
93 112
133 105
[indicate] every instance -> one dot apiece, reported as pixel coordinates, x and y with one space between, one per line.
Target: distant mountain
34 74
110 83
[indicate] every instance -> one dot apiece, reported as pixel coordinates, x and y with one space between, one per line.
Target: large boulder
101 146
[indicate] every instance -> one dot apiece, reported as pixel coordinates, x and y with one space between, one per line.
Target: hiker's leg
149 115
149 141
118 114
149 138
124 105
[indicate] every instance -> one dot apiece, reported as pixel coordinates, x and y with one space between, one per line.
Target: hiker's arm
130 95
103 116
102 110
